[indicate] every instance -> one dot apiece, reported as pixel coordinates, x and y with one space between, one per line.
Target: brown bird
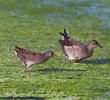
29 57
76 50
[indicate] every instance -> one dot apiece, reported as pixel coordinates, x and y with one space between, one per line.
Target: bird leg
76 62
26 68
69 61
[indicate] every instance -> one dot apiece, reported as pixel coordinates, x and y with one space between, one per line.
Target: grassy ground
35 24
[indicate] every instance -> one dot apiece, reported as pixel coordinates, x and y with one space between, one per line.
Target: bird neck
46 55
90 50
89 47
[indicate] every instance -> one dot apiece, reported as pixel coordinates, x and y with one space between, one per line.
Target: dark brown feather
29 57
76 50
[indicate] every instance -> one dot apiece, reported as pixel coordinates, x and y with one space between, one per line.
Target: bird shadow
96 61
56 70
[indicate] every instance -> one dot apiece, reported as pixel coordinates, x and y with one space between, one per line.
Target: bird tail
65 34
16 47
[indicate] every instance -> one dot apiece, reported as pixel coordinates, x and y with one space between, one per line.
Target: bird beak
54 55
99 45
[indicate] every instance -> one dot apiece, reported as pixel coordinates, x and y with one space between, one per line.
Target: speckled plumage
29 57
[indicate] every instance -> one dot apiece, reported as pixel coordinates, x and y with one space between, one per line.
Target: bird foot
79 64
22 71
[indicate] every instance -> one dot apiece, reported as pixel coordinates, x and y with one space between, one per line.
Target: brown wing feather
76 43
69 41
23 53
62 45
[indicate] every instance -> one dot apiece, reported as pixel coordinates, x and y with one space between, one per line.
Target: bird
29 57
76 50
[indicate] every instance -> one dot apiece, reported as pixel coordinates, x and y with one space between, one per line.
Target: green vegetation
35 25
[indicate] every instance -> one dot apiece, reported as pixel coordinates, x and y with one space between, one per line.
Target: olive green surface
35 25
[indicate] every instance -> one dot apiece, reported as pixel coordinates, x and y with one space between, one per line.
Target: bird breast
72 52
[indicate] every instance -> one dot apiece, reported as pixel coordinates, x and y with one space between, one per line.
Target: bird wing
72 50
69 41
75 43
23 53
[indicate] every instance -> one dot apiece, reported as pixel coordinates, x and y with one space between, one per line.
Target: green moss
35 25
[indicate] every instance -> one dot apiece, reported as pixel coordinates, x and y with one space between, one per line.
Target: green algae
35 24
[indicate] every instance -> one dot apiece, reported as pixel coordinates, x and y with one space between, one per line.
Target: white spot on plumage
15 53
67 32
71 47
29 63
71 57
62 37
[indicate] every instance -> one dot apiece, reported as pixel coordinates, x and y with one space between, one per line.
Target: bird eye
49 54
93 43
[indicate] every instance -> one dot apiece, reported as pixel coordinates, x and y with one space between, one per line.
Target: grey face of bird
94 43
50 54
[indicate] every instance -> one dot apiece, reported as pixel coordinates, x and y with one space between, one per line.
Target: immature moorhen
29 57
76 50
